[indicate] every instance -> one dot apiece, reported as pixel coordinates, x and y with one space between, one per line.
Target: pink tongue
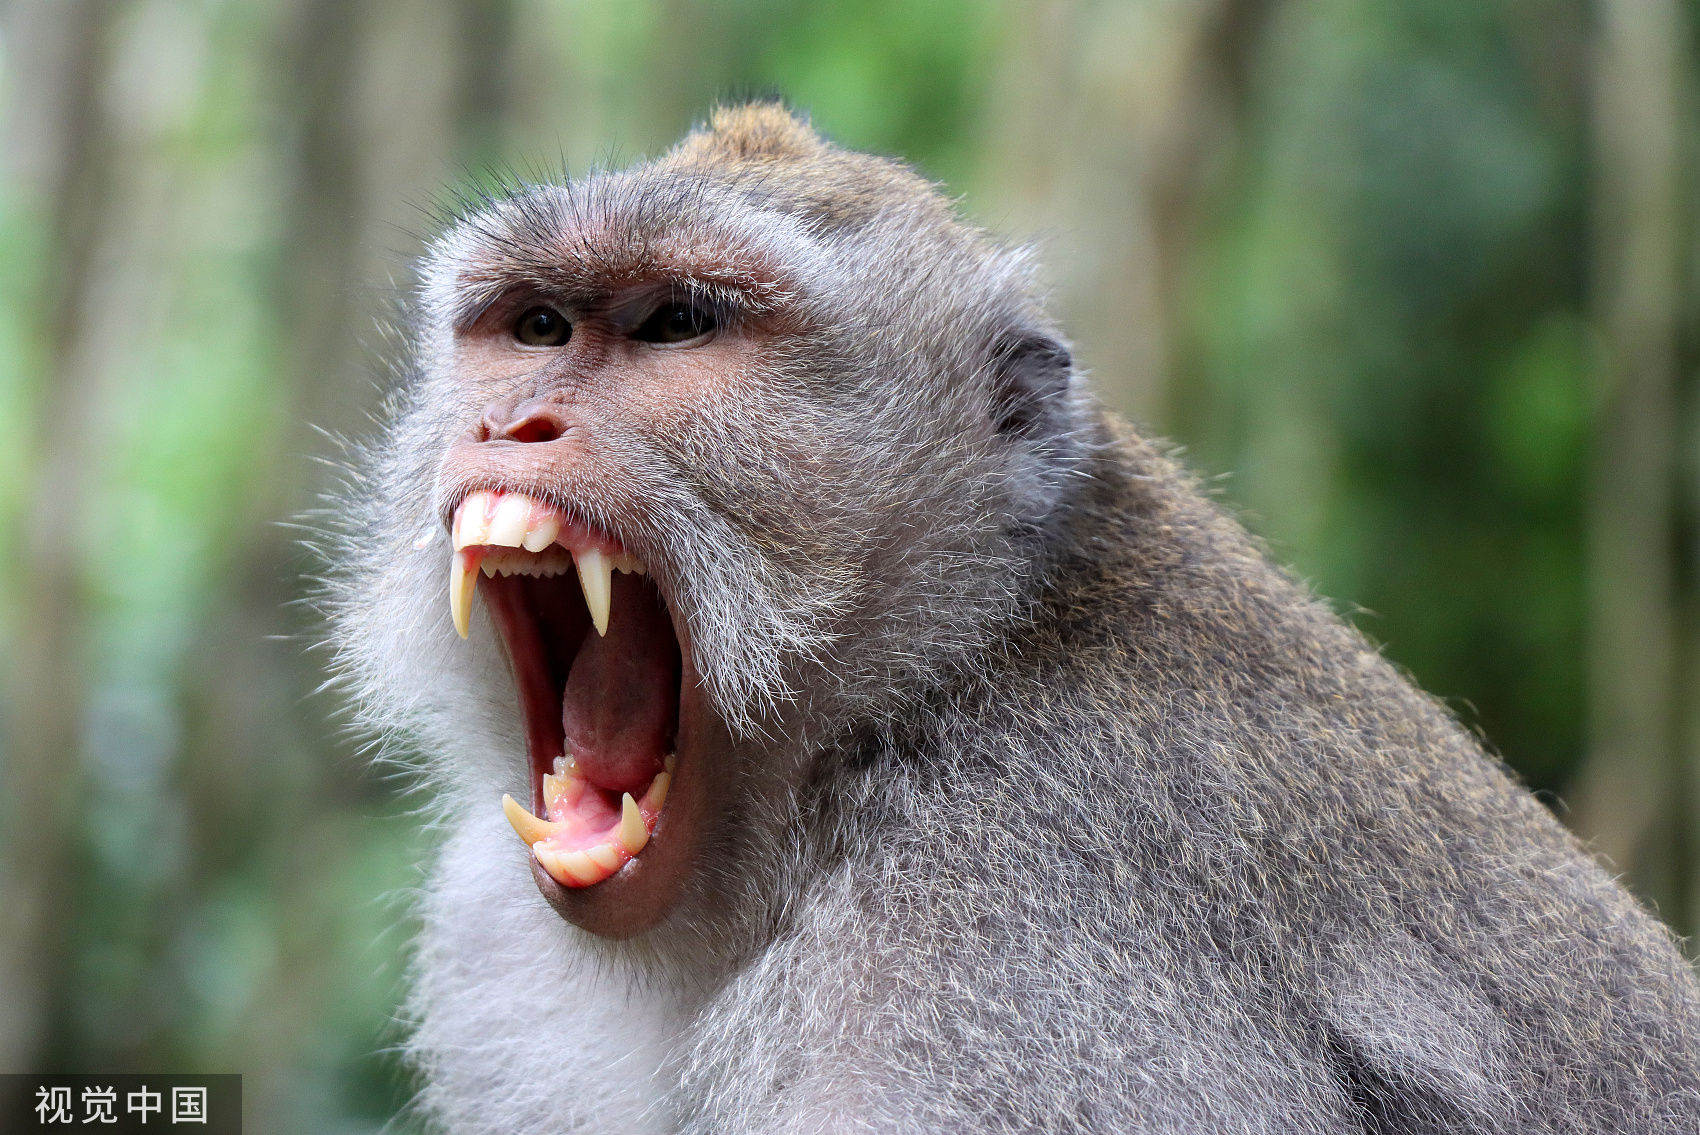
622 692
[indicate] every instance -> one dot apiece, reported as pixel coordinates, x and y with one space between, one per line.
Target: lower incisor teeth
569 868
585 866
513 561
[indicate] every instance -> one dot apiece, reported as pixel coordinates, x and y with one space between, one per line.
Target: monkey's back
1193 856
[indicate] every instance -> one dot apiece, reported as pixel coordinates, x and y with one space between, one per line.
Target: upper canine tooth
530 828
507 523
463 579
542 532
596 577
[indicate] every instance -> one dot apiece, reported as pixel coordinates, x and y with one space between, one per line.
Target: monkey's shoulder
1195 758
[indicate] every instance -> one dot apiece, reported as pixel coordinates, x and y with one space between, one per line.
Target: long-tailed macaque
898 742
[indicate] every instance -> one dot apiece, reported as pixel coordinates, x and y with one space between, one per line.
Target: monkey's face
720 479
565 499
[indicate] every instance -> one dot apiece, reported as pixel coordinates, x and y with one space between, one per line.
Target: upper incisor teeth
542 532
506 520
507 526
472 519
489 520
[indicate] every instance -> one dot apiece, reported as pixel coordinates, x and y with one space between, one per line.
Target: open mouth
598 667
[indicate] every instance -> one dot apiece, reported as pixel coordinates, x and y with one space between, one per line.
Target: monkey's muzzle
597 666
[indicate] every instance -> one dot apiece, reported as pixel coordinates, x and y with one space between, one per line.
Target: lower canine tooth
633 833
463 579
530 828
595 576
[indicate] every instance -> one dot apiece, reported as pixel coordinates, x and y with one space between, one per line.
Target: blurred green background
1416 279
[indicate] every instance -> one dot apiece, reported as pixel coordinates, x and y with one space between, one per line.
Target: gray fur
1062 809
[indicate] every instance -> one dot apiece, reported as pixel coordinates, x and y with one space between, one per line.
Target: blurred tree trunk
60 143
1115 122
1630 797
317 92
377 100
483 93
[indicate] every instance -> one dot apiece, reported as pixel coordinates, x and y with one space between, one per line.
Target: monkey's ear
1030 379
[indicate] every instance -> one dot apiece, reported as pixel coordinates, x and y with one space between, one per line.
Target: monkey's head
720 457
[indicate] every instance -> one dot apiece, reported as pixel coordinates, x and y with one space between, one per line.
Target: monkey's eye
543 327
674 322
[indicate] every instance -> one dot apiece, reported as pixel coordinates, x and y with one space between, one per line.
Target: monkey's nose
536 419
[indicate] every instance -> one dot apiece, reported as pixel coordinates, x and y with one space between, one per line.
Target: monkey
898 741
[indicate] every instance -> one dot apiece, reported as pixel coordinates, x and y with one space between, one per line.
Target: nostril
533 429
534 420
